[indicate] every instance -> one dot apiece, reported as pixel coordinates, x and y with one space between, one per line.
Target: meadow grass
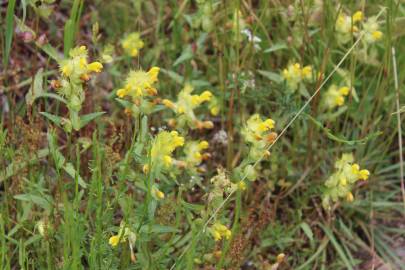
202 134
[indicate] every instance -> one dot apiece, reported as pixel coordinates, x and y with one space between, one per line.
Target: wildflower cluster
335 96
348 26
220 231
75 72
124 234
185 106
295 75
194 155
341 182
371 30
163 146
139 85
132 43
258 134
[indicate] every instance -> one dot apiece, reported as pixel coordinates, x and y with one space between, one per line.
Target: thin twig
401 160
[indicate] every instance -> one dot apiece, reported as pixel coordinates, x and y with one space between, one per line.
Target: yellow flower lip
121 92
168 104
95 67
159 195
206 95
214 110
66 70
114 240
242 185
203 145
343 181
344 90
349 197
364 174
377 35
357 16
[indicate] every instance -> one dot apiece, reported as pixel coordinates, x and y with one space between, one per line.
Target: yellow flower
349 197
307 72
357 16
355 168
76 66
341 183
167 160
220 231
280 258
145 168
242 185
132 44
364 174
66 70
217 235
266 125
207 124
334 96
205 96
214 110
122 236
377 35
157 194
198 155
186 103
168 104
339 101
177 140
345 26
114 240
164 145
193 150
344 90
95 67
257 133
121 92
371 30
140 83
203 145
294 75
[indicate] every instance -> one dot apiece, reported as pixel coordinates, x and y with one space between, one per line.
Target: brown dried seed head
206 156
271 137
55 84
172 123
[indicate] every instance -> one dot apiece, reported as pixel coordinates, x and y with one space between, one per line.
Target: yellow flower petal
357 16
364 174
95 67
153 74
121 92
203 145
377 35
349 197
167 160
114 240
344 90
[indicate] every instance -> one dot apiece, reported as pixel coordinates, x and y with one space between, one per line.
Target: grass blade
9 31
